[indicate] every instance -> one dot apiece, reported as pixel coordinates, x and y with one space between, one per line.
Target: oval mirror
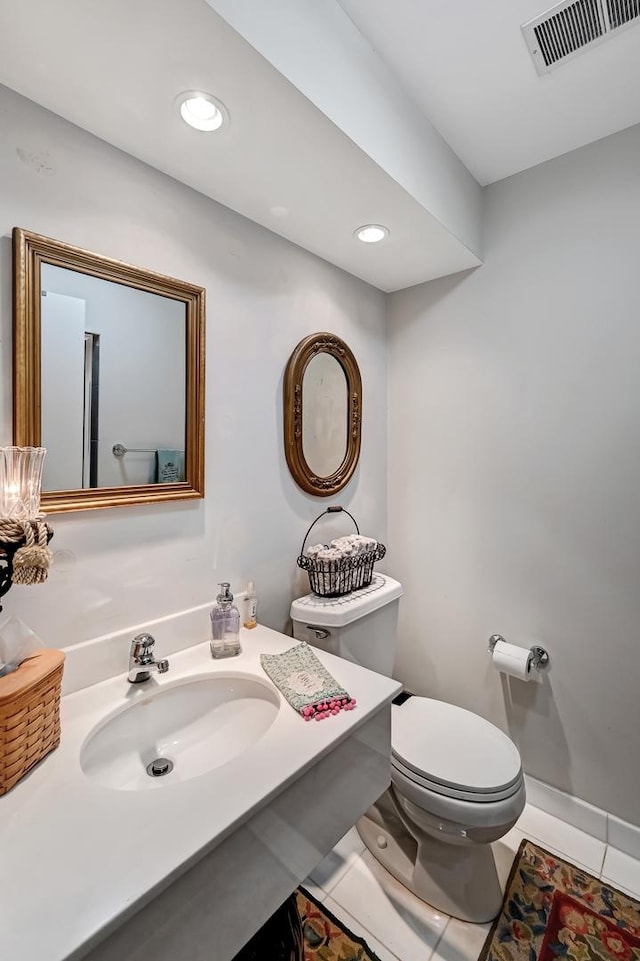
322 414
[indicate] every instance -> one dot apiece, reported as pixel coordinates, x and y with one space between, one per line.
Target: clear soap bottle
225 624
251 607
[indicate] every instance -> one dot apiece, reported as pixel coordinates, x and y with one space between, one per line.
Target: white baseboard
584 816
573 810
624 836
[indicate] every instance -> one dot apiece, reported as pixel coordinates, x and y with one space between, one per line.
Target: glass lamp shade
20 482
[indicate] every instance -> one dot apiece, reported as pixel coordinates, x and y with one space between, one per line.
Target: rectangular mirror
108 376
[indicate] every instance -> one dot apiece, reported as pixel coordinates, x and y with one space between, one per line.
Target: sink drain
160 767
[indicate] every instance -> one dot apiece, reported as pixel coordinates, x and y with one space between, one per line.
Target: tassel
31 561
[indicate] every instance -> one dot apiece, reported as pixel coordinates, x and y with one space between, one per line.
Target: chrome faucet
142 661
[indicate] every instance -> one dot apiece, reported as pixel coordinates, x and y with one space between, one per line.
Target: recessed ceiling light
371 233
202 110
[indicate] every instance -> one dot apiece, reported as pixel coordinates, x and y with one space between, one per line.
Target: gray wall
513 455
120 567
515 470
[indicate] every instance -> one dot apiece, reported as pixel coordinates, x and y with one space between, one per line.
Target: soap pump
225 624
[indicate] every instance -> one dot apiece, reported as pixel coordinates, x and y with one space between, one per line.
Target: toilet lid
450 746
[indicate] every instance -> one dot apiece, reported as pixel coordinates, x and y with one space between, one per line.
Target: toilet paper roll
512 660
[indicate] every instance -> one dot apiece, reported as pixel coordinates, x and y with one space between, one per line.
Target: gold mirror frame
30 250
293 406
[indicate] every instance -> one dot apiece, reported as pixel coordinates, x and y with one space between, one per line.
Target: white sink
256 799
197 725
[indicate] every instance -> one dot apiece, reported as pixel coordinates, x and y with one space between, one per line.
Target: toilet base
459 880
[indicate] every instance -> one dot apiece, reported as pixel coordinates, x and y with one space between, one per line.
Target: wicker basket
29 714
335 578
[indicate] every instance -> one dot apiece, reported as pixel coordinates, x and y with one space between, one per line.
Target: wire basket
332 578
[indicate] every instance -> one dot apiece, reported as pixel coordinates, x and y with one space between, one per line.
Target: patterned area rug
554 911
326 938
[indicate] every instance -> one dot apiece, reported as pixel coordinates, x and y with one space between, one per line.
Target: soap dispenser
225 624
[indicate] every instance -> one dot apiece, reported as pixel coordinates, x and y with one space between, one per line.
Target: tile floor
400 927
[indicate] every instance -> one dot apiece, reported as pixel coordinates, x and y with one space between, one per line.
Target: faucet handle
142 661
146 641
142 644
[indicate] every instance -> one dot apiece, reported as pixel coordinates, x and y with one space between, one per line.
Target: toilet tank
361 626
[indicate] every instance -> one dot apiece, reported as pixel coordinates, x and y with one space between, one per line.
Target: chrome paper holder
539 656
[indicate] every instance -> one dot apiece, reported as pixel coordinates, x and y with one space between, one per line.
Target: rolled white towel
315 549
330 554
328 561
363 543
328 566
344 544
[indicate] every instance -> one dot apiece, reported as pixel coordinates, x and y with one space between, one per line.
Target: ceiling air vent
571 25
622 12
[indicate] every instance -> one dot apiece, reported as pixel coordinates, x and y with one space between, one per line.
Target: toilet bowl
456 780
456 786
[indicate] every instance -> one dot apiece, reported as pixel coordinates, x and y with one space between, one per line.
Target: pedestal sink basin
177 732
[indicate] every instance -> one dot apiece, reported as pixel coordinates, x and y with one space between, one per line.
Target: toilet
456 780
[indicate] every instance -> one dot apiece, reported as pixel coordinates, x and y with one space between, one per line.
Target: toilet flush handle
319 632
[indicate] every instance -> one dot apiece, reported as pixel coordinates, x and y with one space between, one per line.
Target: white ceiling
467 66
285 162
115 70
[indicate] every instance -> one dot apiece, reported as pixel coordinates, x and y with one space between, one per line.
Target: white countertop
78 858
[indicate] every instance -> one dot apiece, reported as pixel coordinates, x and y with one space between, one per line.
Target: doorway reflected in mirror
113 368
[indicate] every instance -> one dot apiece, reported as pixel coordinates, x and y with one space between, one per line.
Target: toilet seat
452 752
463 795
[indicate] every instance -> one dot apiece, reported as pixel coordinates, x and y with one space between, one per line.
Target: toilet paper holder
539 657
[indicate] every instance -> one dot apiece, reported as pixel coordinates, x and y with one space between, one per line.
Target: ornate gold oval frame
304 477
29 251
